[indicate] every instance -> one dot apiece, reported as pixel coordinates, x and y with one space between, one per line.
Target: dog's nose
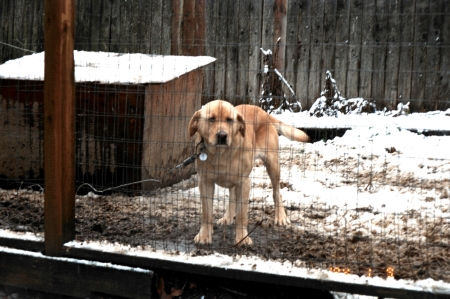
222 138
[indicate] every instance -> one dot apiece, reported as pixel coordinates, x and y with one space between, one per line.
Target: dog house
132 111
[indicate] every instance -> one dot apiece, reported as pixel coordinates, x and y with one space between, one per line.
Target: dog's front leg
207 195
242 194
230 210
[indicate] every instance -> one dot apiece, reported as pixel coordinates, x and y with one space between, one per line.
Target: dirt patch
340 207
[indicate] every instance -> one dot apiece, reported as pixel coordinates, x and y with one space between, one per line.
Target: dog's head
217 123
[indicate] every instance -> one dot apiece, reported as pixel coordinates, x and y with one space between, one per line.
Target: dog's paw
281 220
247 241
225 220
203 238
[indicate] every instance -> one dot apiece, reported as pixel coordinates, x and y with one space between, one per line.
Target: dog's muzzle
222 138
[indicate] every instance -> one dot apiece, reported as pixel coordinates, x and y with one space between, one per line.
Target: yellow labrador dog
233 137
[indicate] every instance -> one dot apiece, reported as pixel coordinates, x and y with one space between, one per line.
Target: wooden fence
388 50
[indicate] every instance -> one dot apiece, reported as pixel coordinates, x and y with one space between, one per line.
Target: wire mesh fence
369 195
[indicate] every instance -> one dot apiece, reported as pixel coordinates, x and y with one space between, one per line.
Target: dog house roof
108 68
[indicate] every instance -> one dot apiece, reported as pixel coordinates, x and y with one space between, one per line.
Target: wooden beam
59 125
72 277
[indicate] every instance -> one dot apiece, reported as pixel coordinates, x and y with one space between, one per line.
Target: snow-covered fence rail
387 51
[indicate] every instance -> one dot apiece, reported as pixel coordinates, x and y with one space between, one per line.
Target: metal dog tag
203 156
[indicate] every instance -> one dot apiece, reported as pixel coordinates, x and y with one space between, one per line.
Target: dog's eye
212 119
229 119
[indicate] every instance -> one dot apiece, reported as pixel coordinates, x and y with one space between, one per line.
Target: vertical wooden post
59 124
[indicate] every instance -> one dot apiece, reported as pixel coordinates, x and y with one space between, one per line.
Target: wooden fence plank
177 19
71 277
38 29
433 55
381 29
255 23
152 26
124 32
304 38
292 43
231 62
166 27
267 25
133 22
329 40
442 97
115 28
342 45
367 50
406 50
18 27
83 25
354 58
221 53
210 50
317 38
393 54
243 52
418 80
96 17
279 31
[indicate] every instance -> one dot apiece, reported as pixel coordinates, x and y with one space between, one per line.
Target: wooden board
381 29
70 277
304 42
368 45
166 143
342 45
254 64
354 54
316 73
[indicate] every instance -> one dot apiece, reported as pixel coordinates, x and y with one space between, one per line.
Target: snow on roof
106 67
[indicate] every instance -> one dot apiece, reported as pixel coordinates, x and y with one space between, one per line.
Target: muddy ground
355 234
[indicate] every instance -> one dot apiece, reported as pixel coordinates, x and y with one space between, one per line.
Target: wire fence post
59 125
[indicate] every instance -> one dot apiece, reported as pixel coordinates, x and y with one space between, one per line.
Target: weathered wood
443 88
221 49
406 50
59 125
342 45
279 31
292 43
83 26
210 50
166 27
231 62
152 33
115 33
71 277
105 24
368 45
176 34
354 58
396 40
329 40
166 143
254 64
243 48
418 79
381 29
392 55
304 38
315 66
125 34
433 56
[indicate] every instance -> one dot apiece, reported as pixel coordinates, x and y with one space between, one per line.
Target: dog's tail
288 131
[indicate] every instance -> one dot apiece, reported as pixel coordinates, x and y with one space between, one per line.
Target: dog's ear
192 128
241 121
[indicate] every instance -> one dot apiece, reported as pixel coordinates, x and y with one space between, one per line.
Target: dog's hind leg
230 210
242 194
273 169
